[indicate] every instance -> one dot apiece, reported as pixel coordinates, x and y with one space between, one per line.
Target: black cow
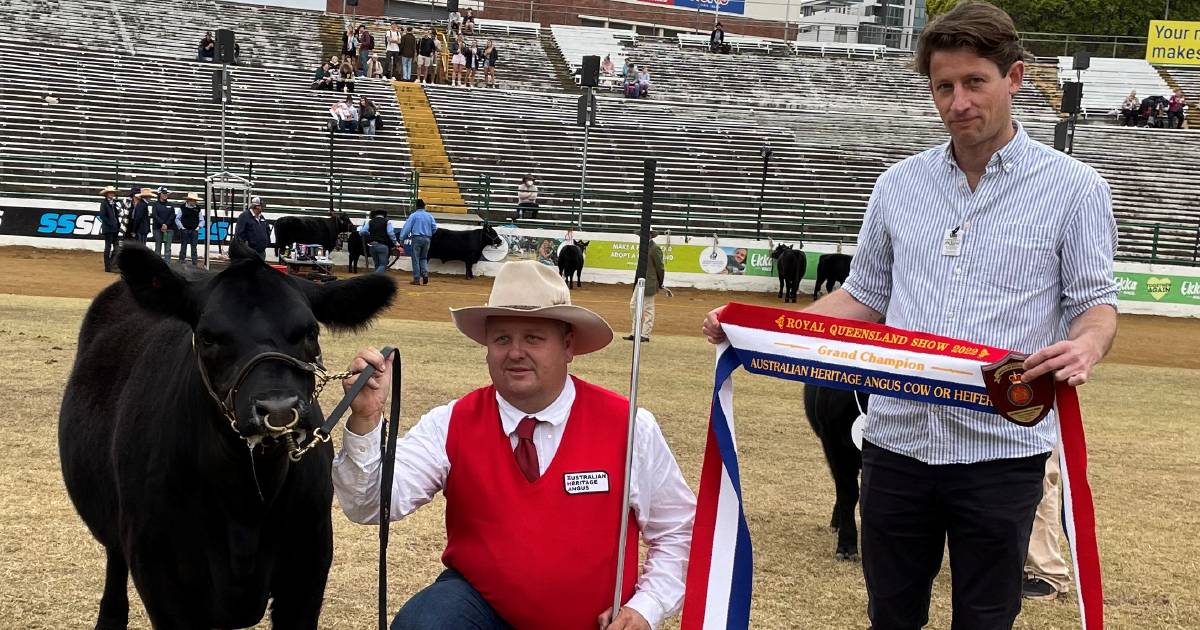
831 413
831 268
356 248
324 231
464 245
792 265
570 262
207 513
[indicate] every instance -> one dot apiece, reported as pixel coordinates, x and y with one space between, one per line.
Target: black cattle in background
831 268
791 264
324 231
464 245
570 262
212 524
356 248
831 413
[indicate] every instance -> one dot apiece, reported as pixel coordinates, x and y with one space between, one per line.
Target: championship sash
875 359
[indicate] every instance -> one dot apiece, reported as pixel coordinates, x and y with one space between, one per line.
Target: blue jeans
406 66
363 56
187 237
379 254
418 250
450 603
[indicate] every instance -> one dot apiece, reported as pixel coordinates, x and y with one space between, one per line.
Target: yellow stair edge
438 186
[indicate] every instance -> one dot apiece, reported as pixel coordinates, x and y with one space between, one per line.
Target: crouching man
532 467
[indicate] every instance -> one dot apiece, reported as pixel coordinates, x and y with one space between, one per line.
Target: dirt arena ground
1139 409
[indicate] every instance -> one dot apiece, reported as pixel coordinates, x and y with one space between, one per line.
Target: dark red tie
526 452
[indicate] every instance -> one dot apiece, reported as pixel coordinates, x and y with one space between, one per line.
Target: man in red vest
533 470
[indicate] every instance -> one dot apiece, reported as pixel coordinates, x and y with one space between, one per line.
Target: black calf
831 413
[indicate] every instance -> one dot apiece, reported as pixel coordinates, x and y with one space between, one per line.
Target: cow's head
490 237
582 245
249 309
343 222
779 250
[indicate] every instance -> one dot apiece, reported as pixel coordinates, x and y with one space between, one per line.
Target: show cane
639 308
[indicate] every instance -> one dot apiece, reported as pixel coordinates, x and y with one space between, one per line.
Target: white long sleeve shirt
662 502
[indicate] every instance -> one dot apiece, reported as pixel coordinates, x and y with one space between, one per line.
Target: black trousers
909 511
112 241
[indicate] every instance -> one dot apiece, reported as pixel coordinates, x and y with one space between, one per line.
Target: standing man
408 50
188 220
425 49
419 228
655 274
163 216
381 238
995 238
110 224
392 39
366 44
1046 573
252 228
138 227
532 468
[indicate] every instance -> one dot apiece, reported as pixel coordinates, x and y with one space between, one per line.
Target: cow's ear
349 304
155 286
239 250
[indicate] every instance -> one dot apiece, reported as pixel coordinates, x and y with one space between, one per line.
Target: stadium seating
156 117
1188 80
1108 81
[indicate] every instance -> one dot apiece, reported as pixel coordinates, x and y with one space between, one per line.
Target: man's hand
627 619
1070 360
712 326
367 406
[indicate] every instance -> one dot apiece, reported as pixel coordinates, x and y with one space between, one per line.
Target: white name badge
586 482
952 243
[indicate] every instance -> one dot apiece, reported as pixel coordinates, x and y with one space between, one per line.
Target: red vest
543 554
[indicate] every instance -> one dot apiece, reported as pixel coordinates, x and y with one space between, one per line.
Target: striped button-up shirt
1037 242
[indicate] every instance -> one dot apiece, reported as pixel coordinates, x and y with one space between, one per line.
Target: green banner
1165 288
681 258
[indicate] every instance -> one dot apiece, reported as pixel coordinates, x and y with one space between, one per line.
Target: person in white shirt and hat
532 467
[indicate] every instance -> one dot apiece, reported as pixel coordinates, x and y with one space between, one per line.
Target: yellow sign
1173 42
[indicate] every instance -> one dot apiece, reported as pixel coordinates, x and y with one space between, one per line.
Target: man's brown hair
978 26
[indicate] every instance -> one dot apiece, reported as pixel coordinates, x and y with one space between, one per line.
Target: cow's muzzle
277 414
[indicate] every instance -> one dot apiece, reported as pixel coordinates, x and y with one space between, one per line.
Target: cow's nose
278 413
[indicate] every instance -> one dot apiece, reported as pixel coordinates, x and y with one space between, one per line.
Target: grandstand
1107 82
132 102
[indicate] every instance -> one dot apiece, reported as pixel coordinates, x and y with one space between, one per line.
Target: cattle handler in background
110 225
532 468
252 227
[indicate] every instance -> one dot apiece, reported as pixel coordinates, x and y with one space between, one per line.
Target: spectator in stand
138 227
349 46
458 59
323 78
110 225
188 221
632 88
527 193
207 49
366 45
643 79
1129 109
163 217
469 58
716 40
425 50
490 54
1175 110
345 82
345 114
392 39
374 67
408 50
454 22
367 113
468 23
606 67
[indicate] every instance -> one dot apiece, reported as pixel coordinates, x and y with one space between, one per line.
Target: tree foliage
1130 18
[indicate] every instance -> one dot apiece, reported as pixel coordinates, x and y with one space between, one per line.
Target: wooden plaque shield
1022 403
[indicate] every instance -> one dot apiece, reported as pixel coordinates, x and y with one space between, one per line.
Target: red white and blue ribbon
869 358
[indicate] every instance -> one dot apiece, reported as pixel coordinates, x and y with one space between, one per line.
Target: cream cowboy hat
108 189
528 288
193 197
